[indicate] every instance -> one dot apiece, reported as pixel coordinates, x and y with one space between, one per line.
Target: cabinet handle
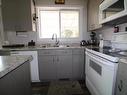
53 60
65 52
120 86
57 59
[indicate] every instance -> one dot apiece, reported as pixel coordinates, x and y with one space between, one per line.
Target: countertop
9 63
43 48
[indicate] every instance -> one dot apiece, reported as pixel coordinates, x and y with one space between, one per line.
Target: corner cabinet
93 15
18 15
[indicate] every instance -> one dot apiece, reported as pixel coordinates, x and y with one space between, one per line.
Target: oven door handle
100 60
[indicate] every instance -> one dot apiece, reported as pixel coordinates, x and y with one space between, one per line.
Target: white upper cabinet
93 14
18 15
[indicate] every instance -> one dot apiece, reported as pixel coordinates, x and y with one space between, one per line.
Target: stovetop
107 53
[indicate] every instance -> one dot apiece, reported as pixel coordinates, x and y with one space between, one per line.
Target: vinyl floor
42 88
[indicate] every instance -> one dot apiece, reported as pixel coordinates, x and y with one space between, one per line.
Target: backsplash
25 37
107 31
21 37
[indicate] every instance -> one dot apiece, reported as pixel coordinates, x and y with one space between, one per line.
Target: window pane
69 24
49 24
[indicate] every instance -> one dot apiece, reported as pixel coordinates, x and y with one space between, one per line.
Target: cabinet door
64 66
9 14
78 66
47 67
24 15
93 14
17 15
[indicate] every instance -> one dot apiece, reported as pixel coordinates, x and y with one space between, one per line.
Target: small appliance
83 43
93 39
31 43
112 9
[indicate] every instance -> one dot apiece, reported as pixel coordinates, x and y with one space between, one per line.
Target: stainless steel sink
56 46
62 46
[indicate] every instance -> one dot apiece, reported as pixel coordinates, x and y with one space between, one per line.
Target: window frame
64 40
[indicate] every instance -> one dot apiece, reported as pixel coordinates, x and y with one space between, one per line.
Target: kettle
32 43
83 43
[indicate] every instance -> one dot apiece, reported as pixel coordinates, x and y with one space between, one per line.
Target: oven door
100 75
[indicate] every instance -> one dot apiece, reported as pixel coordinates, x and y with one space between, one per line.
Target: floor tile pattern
44 88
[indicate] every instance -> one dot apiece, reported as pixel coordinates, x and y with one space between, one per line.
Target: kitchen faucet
56 39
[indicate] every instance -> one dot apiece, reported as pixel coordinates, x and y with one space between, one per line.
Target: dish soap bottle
101 44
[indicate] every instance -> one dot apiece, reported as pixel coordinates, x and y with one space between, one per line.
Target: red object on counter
116 29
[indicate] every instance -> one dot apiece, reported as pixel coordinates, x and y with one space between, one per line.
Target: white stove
100 72
101 67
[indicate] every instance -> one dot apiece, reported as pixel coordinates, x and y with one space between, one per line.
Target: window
66 22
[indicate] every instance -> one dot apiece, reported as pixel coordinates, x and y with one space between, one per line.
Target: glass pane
49 24
114 9
69 24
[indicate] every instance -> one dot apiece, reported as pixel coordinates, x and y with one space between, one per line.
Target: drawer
46 52
63 52
78 51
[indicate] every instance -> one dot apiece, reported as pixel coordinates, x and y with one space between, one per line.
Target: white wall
67 2
13 38
21 38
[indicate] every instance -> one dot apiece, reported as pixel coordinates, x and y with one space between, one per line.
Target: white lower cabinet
59 64
78 64
47 67
64 67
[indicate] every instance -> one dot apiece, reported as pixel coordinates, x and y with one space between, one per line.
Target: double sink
54 46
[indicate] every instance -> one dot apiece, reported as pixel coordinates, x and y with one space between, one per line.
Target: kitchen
65 58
